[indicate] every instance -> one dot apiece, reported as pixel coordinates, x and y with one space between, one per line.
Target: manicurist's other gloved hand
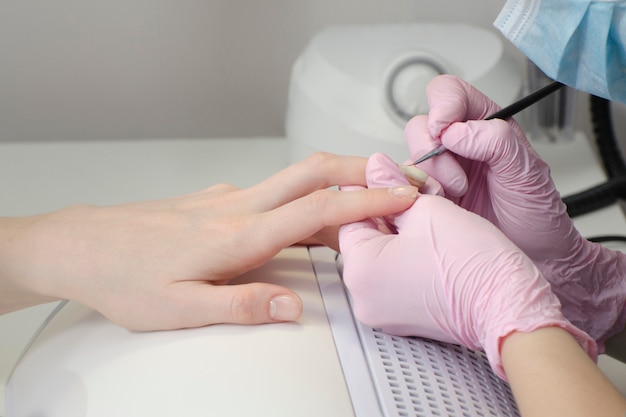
492 170
164 264
446 274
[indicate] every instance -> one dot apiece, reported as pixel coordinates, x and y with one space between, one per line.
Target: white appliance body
353 88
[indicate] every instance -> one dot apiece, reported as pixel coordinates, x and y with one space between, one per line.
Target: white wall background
82 69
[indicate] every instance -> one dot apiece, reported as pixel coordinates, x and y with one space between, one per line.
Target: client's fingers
319 171
307 215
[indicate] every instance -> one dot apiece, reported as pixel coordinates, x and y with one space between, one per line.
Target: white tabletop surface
39 177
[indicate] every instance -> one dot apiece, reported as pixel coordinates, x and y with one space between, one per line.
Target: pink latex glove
493 171
447 274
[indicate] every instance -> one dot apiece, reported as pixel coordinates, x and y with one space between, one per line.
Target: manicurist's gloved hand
445 274
492 170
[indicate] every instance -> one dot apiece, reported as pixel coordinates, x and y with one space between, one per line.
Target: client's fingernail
404 191
416 176
285 308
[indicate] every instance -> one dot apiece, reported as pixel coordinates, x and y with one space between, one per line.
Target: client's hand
163 264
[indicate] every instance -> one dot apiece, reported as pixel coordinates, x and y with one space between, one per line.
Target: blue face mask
579 43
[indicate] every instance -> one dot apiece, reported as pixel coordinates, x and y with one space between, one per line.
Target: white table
39 177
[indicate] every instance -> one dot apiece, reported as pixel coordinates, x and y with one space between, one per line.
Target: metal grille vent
421 377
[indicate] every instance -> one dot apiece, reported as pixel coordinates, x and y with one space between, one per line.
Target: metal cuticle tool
505 113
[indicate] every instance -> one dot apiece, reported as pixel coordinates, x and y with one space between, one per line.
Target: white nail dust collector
353 88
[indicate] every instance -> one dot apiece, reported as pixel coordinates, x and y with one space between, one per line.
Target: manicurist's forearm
551 375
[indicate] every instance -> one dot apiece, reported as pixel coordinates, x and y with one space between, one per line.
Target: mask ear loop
614 189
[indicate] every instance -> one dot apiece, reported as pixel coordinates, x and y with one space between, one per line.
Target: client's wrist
19 245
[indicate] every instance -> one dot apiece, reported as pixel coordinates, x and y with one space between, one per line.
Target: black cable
595 198
614 189
607 238
609 150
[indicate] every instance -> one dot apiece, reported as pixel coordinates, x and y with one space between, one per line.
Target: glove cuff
592 290
493 347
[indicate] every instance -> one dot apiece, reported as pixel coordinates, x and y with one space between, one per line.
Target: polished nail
285 308
403 191
416 176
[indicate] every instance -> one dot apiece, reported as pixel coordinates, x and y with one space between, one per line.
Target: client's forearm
16 289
